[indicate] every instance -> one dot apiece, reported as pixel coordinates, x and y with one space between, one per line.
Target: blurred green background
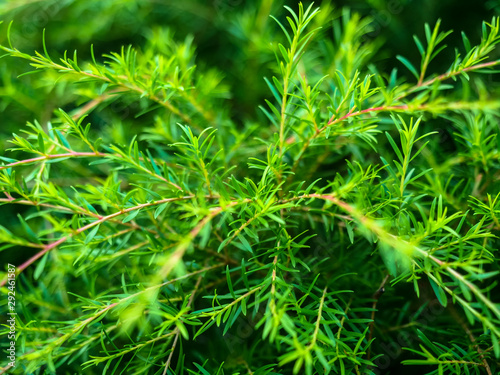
232 36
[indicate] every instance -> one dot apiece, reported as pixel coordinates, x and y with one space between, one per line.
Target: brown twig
472 339
103 219
177 331
375 297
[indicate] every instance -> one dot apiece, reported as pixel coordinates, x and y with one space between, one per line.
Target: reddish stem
53 245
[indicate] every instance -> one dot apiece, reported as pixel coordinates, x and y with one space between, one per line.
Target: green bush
350 226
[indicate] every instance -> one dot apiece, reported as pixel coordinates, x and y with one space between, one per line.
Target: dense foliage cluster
351 227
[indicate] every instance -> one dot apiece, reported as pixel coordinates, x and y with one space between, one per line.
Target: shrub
186 239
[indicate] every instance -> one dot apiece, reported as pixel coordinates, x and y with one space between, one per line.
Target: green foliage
189 239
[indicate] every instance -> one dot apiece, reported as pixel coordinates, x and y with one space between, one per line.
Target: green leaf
182 329
229 282
131 215
160 209
496 345
62 139
350 231
40 266
244 274
91 234
274 91
200 368
439 292
29 232
41 143
408 65
244 306
395 147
